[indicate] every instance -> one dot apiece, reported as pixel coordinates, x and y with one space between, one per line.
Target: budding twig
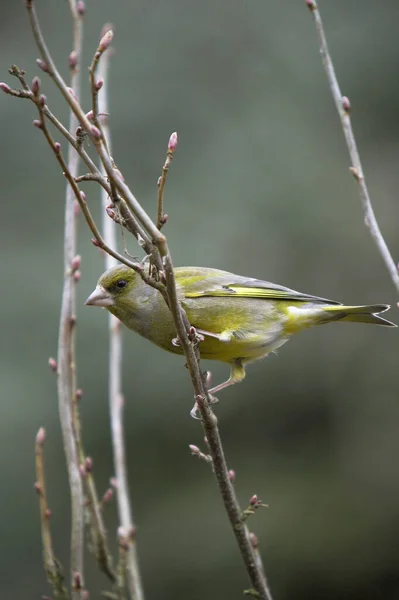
128 568
343 107
161 217
51 565
67 332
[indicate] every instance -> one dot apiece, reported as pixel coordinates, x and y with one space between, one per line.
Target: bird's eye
121 284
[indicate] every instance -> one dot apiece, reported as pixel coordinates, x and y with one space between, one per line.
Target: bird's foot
194 410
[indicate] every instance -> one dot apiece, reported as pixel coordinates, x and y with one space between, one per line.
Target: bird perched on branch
240 319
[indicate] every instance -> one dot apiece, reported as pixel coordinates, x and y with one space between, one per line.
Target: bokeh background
259 186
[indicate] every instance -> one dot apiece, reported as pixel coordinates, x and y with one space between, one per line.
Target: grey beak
100 297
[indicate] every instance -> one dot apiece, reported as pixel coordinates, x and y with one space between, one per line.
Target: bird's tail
359 314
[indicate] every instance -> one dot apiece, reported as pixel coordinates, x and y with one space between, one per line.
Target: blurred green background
259 186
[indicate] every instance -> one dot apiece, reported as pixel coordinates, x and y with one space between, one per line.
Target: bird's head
113 287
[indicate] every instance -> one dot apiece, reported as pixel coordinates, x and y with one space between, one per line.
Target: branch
161 217
66 343
343 107
116 401
51 565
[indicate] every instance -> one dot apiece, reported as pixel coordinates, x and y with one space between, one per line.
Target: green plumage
241 319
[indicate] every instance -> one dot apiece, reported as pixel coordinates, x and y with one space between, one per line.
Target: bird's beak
100 297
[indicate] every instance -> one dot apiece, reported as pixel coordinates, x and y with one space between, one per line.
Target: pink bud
6 88
75 264
89 115
108 496
254 540
232 475
355 173
346 105
37 123
83 196
41 436
107 27
76 276
95 242
194 450
73 59
37 488
81 8
47 513
79 394
57 147
310 4
106 41
172 142
35 85
52 363
99 84
254 500
110 212
42 100
42 65
95 132
88 464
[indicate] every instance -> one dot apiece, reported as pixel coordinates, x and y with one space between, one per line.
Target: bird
239 319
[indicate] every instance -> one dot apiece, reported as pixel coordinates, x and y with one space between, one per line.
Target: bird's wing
197 282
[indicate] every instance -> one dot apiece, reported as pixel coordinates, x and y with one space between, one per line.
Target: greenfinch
239 319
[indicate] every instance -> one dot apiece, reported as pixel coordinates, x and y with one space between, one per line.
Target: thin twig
343 107
27 94
96 137
97 84
66 345
161 217
128 553
99 545
51 565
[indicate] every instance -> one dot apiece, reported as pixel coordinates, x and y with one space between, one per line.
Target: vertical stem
343 107
116 401
66 343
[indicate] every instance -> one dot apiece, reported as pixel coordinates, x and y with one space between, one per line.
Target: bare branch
99 545
343 107
51 565
128 563
66 343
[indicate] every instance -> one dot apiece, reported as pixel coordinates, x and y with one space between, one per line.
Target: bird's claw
194 410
